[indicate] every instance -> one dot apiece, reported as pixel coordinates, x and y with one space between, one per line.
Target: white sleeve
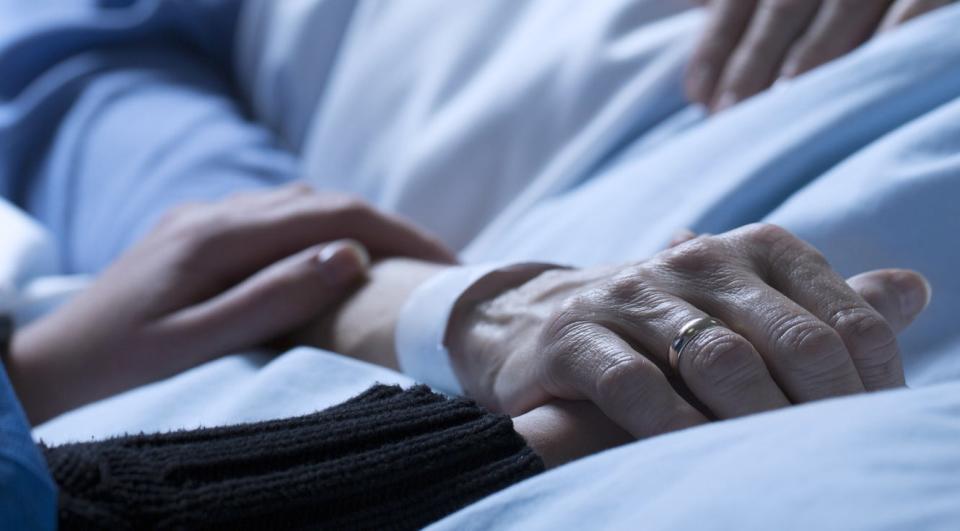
30 280
422 325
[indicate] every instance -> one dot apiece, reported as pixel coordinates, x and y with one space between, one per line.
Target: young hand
208 281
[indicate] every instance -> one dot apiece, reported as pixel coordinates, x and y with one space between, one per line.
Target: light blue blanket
575 111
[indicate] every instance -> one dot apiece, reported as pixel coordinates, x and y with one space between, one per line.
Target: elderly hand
209 280
797 332
749 44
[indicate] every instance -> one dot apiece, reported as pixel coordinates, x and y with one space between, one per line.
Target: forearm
54 370
388 458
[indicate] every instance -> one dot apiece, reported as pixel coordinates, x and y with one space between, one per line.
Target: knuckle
874 343
767 235
630 285
725 361
563 343
697 256
620 379
781 250
563 322
624 390
805 268
810 345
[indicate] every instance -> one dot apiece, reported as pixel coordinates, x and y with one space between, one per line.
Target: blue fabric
138 94
66 66
28 499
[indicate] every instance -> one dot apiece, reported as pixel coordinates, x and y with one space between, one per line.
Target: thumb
898 295
274 301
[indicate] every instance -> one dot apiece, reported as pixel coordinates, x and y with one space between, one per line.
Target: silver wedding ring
688 333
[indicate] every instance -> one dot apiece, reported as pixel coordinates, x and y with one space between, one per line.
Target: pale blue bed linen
138 94
887 461
611 183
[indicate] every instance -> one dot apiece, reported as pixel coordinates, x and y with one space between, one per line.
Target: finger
592 362
807 358
303 217
803 275
754 65
898 295
252 232
839 27
274 301
728 21
725 372
905 10
719 366
680 237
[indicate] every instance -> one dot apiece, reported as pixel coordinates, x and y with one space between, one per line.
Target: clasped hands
565 349
796 332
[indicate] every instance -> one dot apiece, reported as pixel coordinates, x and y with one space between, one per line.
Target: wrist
54 366
483 320
28 369
364 326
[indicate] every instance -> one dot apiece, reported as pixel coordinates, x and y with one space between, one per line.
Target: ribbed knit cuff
387 459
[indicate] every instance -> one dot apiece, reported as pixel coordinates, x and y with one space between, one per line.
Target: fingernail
915 298
342 262
726 100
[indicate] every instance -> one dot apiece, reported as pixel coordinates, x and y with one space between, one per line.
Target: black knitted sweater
387 459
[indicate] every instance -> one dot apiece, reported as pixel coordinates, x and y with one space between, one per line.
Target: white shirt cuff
422 325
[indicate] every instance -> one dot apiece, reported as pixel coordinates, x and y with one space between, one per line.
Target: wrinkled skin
797 332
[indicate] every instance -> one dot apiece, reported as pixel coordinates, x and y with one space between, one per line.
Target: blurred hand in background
749 44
